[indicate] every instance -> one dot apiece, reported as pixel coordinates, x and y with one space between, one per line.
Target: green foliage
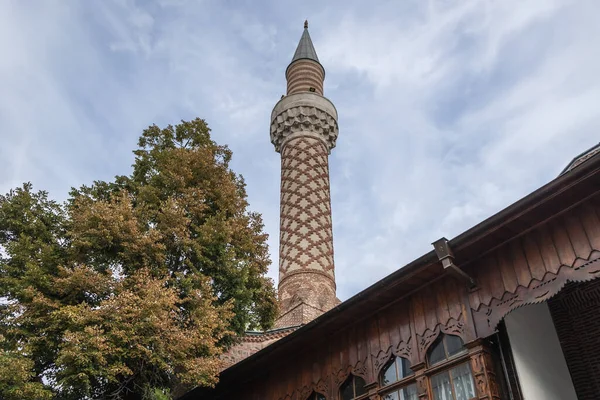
132 288
16 373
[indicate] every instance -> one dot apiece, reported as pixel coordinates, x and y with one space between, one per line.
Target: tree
133 288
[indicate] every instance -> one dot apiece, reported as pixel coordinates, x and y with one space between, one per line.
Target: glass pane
454 344
359 386
346 391
320 396
404 368
440 384
409 392
389 374
436 353
391 396
463 382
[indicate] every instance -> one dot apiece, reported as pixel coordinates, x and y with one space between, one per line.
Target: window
445 347
406 393
353 388
316 396
397 369
455 383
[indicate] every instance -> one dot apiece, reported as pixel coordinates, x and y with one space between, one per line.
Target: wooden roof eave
561 193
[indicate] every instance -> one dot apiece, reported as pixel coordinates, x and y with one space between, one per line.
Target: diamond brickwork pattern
306 239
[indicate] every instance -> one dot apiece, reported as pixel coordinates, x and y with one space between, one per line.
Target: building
506 310
304 129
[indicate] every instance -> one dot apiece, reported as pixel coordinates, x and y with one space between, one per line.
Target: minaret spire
305 71
306 49
304 129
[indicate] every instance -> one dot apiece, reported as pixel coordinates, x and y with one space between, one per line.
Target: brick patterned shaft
304 130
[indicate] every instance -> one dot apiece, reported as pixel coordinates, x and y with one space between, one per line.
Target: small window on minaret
312 89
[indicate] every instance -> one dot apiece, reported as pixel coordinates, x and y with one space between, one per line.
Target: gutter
465 239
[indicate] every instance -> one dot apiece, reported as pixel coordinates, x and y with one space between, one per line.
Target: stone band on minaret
304 129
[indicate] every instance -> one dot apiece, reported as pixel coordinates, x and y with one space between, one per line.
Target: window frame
398 384
314 395
394 360
441 338
447 364
353 377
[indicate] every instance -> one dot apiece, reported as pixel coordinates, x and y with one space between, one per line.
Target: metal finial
305 24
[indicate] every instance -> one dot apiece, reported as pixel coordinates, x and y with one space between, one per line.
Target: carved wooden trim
380 360
425 340
422 385
340 378
404 349
484 374
455 327
487 317
322 386
452 327
304 392
360 369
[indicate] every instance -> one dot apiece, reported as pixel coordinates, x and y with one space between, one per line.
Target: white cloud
473 106
449 110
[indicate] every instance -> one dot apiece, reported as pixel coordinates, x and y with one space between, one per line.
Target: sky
449 110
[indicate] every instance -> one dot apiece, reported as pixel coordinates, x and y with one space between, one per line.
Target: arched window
455 383
445 347
353 388
316 396
396 370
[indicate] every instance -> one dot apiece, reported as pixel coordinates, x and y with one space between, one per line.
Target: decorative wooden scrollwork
487 317
381 359
404 349
484 374
360 369
452 327
322 386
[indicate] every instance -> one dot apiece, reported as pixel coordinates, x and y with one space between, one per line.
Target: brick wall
576 314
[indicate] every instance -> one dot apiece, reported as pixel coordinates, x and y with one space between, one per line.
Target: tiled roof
268 335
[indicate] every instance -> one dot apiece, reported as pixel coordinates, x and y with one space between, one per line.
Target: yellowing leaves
135 285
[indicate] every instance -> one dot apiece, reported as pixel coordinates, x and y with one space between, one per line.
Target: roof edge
467 238
523 205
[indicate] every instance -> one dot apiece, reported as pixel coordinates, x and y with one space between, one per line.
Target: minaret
304 130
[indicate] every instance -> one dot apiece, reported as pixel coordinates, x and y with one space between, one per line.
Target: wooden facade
523 255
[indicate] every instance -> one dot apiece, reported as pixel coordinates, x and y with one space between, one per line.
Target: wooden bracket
445 255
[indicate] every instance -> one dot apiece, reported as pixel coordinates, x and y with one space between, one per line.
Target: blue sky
448 110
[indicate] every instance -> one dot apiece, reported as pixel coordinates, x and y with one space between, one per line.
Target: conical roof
305 49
